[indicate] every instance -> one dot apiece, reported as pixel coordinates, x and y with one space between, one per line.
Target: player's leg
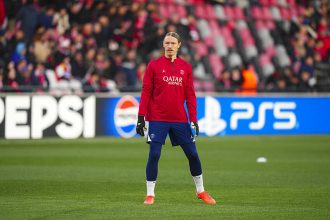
191 153
195 166
152 171
156 137
152 164
181 134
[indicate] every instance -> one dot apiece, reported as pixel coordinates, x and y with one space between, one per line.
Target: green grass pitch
104 178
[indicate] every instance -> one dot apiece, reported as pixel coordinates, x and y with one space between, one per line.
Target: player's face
171 46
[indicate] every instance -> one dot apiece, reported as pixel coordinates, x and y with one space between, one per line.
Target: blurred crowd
79 46
308 45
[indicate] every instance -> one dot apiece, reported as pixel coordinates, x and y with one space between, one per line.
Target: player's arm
190 97
147 87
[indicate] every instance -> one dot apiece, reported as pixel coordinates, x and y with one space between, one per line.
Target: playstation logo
212 124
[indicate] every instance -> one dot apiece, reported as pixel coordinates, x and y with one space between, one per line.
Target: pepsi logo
125 116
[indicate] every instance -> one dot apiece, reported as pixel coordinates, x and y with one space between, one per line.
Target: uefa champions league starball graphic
125 116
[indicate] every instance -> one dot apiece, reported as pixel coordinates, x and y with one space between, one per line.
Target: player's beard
170 53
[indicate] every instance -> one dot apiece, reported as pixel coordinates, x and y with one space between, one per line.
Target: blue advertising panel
117 116
228 115
35 117
263 115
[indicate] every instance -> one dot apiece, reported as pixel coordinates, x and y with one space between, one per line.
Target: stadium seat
172 9
264 2
216 65
270 24
198 86
208 86
266 13
285 13
210 12
209 40
256 12
220 46
276 14
235 60
282 3
251 51
219 12
199 11
242 3
271 51
246 37
201 49
282 56
181 10
266 65
229 12
203 27
239 14
199 71
241 24
214 26
163 10
226 33
266 38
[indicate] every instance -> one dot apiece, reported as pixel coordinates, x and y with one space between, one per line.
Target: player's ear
179 45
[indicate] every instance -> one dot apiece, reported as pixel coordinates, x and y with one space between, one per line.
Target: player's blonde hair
175 35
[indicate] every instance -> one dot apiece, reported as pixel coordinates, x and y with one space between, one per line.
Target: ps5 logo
283 114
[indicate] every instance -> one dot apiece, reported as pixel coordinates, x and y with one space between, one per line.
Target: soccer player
167 85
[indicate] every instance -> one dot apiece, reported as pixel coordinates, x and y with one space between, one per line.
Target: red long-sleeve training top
166 86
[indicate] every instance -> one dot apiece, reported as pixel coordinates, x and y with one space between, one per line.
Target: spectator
249 80
61 21
236 79
129 69
20 53
46 19
10 81
292 81
65 78
307 66
39 79
25 81
306 84
280 85
1 75
225 83
140 72
102 63
78 65
92 85
27 17
3 17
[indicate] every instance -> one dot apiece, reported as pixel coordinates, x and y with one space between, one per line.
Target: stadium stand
79 46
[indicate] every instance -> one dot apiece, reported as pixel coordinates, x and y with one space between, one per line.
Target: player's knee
155 155
193 156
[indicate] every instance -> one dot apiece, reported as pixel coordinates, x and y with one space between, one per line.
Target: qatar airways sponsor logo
173 80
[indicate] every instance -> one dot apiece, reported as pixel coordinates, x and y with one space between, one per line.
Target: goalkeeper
167 85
